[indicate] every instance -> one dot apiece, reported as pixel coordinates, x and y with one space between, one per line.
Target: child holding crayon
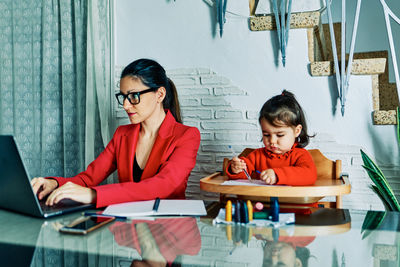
283 160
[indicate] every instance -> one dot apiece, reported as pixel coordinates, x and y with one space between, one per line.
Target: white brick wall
204 105
361 197
202 97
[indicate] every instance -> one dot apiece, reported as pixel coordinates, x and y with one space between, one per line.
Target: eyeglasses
134 97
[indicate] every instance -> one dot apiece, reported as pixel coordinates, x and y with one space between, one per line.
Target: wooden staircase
384 94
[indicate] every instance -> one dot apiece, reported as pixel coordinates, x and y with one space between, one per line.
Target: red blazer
295 167
165 175
297 241
176 236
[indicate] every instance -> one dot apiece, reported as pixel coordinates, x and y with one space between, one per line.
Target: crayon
245 213
275 234
238 217
244 234
229 232
275 209
250 233
250 210
234 216
237 237
228 211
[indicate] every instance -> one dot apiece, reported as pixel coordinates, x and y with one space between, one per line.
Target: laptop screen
16 193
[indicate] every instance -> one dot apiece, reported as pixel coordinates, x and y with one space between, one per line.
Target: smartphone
84 225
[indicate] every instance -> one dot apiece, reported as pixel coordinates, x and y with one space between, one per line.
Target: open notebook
250 183
171 207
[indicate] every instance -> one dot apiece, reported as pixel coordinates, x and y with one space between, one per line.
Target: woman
154 155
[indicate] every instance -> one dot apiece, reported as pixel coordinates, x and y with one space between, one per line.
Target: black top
137 171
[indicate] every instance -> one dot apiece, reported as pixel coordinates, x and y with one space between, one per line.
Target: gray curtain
99 77
43 82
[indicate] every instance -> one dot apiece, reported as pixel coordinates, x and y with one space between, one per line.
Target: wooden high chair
330 182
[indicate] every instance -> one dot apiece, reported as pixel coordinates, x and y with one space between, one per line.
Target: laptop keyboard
62 205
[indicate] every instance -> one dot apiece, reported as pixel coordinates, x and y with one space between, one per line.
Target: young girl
283 160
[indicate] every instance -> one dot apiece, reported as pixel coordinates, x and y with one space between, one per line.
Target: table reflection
285 246
27 241
159 241
322 237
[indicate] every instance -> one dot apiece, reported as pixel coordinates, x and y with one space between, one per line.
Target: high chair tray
308 194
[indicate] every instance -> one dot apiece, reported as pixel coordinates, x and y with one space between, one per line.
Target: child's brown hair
285 109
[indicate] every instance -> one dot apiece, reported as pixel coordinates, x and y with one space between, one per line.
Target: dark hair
285 108
152 74
302 253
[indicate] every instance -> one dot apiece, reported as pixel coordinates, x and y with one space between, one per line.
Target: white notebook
253 182
172 207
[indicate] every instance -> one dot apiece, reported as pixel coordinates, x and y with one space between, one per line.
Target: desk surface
323 237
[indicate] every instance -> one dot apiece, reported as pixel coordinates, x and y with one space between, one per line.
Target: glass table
320 237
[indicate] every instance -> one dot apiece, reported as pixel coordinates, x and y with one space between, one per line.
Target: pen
257 171
156 204
247 174
95 214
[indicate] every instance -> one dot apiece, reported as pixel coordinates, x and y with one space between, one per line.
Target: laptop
16 193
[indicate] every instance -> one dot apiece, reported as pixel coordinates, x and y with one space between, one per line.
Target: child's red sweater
295 167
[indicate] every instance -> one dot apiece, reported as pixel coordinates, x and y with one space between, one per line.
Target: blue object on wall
221 11
282 26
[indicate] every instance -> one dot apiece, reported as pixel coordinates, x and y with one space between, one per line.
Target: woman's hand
42 187
268 176
151 254
237 165
72 191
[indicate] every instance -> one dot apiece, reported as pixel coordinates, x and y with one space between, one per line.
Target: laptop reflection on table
29 241
18 239
16 193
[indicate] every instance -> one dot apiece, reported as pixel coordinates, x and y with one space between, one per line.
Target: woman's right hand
238 165
42 187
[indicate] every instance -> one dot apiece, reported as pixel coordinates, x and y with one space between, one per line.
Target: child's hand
237 165
268 176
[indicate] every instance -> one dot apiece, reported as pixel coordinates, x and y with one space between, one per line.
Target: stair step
385 117
297 20
360 67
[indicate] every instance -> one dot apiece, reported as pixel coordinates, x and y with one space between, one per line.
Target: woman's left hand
268 176
72 191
